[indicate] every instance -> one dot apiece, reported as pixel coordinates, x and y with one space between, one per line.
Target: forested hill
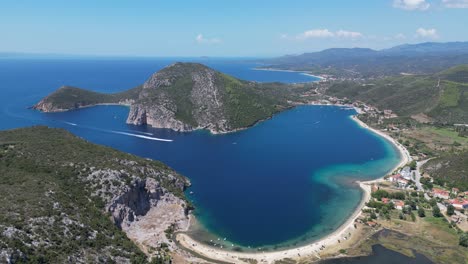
443 96
188 96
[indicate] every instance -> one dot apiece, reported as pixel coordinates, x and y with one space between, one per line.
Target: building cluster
458 199
361 108
402 180
398 204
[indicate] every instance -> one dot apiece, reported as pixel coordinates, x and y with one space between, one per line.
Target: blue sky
224 28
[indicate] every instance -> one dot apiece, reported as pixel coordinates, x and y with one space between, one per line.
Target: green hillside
438 96
246 102
450 169
68 97
455 74
49 214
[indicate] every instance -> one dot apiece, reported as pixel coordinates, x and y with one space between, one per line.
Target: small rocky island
186 97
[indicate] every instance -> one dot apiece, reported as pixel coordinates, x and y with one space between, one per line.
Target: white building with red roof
459 203
399 204
439 193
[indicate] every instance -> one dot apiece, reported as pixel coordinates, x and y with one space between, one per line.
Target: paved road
417 173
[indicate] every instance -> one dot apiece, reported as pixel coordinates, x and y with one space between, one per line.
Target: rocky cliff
188 96
65 200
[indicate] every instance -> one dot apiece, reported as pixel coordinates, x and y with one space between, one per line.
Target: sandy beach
279 70
310 251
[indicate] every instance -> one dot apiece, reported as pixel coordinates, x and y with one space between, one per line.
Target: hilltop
188 96
66 200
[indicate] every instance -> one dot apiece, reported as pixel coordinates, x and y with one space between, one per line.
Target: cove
284 182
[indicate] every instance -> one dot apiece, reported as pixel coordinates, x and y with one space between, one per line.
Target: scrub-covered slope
64 200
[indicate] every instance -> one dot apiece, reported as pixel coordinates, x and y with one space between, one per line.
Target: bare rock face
129 202
47 107
137 115
182 97
135 201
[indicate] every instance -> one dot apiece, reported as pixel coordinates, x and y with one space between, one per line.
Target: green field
446 133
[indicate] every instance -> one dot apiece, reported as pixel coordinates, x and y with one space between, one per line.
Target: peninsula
186 97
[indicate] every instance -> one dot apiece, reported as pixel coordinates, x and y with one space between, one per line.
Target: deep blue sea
283 182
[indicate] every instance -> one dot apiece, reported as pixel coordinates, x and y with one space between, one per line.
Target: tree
379 194
413 217
421 212
436 211
402 216
398 195
413 165
450 210
464 239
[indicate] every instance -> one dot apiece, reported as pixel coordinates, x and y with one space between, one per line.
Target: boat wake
141 136
140 132
144 136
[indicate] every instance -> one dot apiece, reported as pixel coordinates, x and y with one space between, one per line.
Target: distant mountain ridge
437 47
423 58
185 97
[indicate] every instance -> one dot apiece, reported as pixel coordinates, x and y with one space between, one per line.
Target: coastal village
409 181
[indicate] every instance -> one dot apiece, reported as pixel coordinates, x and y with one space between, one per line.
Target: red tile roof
459 201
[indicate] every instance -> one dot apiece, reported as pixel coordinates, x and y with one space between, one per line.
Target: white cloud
455 3
411 4
202 40
427 33
348 34
325 33
316 33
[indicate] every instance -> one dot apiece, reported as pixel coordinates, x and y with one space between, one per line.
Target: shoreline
313 249
321 78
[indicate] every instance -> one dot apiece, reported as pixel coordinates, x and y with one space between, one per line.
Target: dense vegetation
48 212
437 96
450 170
246 102
68 97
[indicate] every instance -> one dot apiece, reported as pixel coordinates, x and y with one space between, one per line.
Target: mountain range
423 58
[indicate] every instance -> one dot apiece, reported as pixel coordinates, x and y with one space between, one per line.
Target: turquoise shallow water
283 182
